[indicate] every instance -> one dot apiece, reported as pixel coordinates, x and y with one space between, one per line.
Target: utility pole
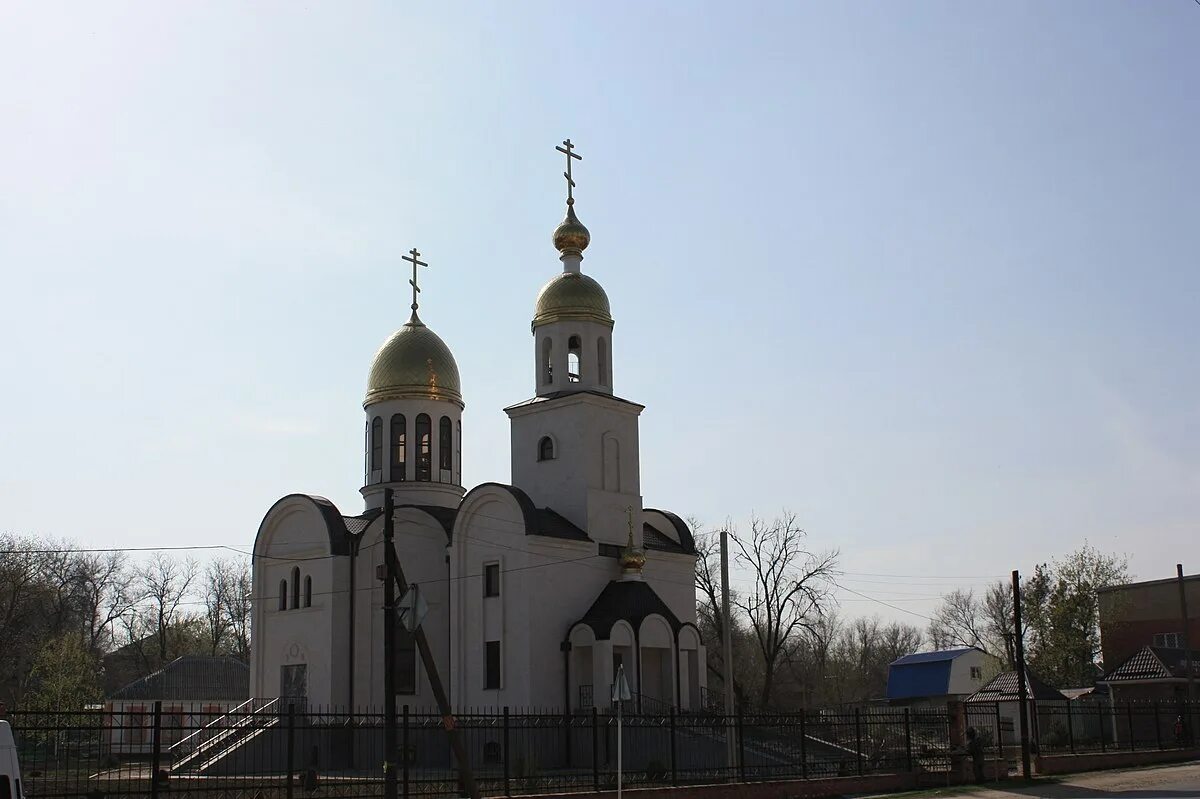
727 653
389 649
1187 641
396 572
1022 689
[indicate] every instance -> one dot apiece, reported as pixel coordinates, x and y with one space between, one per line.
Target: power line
886 604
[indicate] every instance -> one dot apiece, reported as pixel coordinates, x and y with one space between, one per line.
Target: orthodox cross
629 514
414 258
566 149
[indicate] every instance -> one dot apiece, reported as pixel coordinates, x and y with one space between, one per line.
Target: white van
10 771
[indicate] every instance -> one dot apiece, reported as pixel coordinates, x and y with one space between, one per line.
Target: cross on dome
414 258
567 149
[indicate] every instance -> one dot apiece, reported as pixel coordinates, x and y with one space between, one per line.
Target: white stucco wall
961 681
445 488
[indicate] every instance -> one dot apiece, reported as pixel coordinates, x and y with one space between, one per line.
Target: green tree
1062 615
65 676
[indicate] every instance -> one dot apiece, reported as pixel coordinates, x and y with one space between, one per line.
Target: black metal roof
626 600
192 677
653 539
1003 688
1154 663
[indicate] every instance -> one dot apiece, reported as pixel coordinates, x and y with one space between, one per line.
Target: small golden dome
632 560
571 237
572 295
413 362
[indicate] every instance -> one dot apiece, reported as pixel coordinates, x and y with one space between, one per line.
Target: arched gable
675 527
337 534
689 636
656 631
513 511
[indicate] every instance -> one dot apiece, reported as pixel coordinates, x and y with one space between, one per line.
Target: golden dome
572 295
571 237
413 362
632 560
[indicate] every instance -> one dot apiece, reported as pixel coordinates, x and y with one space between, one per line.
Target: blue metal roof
932 657
919 679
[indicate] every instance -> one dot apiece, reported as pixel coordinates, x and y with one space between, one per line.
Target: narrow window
376 444
574 350
602 360
366 452
546 449
491 679
424 448
547 362
458 455
296 587
406 661
5 787
491 579
399 463
446 448
283 594
308 590
976 673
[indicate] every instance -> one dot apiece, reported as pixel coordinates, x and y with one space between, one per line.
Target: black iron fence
1083 726
266 749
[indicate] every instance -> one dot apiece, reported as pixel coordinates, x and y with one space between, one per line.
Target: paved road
1163 782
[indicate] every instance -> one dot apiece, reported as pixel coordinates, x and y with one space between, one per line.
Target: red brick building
1146 614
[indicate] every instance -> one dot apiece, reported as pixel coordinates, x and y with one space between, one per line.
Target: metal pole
1129 718
741 747
466 776
674 768
291 747
595 749
1022 689
1187 643
803 747
507 790
1157 726
620 702
389 648
999 746
727 658
1070 728
155 758
404 759
1103 731
858 740
908 739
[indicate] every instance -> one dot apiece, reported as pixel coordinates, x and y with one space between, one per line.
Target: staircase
223 735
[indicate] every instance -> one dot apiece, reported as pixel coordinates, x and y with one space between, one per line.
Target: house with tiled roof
193 690
1152 673
929 679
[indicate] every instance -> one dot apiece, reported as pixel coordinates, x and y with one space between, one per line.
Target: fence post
858 740
291 746
507 789
1129 717
1157 726
999 743
741 746
157 754
803 747
908 739
1103 730
595 751
1070 728
674 769
404 753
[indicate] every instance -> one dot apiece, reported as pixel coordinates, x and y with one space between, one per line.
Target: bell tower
575 444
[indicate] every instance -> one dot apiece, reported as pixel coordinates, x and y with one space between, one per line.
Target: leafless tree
790 591
986 622
107 592
165 584
227 608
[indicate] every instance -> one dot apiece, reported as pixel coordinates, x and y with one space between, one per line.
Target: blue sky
924 273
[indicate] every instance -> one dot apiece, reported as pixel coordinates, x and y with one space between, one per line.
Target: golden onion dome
413 362
572 295
571 237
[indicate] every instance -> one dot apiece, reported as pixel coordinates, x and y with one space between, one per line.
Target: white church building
537 589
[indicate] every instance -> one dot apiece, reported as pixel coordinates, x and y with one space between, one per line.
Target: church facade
536 589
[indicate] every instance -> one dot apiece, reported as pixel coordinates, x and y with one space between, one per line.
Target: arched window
446 448
296 587
458 455
547 361
283 594
602 360
574 362
376 444
399 443
366 452
546 449
308 590
424 433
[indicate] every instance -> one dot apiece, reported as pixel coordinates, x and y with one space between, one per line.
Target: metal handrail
226 731
178 744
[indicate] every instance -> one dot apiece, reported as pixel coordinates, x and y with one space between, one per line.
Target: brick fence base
1095 761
